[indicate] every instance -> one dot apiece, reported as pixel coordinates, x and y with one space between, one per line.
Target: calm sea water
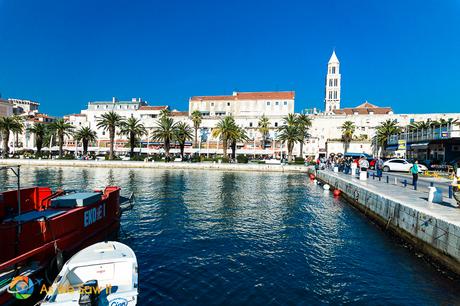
208 238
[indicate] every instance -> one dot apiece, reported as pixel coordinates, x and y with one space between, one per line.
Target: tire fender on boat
54 267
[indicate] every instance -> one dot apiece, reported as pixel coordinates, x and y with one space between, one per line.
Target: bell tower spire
332 94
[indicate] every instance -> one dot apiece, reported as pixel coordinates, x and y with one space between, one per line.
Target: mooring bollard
405 183
451 192
388 179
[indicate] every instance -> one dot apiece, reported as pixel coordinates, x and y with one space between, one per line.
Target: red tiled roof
146 107
363 109
269 95
179 114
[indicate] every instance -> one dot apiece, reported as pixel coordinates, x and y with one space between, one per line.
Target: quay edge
429 234
157 165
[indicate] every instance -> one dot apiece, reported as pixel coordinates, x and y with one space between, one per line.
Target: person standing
414 170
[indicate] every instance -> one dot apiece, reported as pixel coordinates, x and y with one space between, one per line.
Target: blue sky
395 53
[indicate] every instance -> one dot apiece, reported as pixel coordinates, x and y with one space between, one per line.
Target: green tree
61 129
348 129
110 121
196 119
134 129
85 135
9 124
39 130
383 132
165 131
304 124
225 130
238 135
183 132
289 133
264 128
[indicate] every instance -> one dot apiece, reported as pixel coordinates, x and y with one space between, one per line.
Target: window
335 94
285 102
228 103
330 82
250 124
330 95
212 103
276 124
277 103
268 103
333 70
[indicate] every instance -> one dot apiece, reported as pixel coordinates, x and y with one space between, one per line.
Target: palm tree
238 135
62 129
39 130
7 125
420 125
289 133
291 119
225 130
264 128
304 124
196 119
165 112
183 132
165 131
348 129
384 131
85 135
134 129
110 121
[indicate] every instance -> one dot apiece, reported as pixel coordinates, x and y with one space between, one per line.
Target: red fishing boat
40 229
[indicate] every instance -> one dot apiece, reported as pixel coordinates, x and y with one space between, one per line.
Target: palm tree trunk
224 147
61 143
301 148
196 137
85 147
112 139
233 149
6 139
39 143
290 147
167 143
132 143
182 146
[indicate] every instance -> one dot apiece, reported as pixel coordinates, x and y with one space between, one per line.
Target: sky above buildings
402 54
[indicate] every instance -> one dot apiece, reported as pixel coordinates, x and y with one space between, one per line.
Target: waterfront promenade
433 228
155 165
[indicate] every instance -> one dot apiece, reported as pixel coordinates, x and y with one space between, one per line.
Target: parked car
399 164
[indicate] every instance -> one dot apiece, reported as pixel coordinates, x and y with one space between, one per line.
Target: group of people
348 165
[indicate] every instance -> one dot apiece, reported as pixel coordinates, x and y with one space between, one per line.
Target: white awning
423 145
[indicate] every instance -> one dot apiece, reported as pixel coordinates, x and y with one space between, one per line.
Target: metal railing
419 135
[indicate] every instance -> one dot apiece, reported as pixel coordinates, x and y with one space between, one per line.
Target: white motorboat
104 273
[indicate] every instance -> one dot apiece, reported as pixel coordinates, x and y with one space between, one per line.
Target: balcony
435 133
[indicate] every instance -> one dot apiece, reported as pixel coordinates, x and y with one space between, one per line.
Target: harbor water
238 238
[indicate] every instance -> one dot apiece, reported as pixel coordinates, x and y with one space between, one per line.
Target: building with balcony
438 143
6 109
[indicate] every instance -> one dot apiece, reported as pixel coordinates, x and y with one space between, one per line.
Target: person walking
379 166
414 170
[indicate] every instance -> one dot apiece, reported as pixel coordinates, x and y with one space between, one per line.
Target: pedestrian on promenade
379 166
414 170
353 167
